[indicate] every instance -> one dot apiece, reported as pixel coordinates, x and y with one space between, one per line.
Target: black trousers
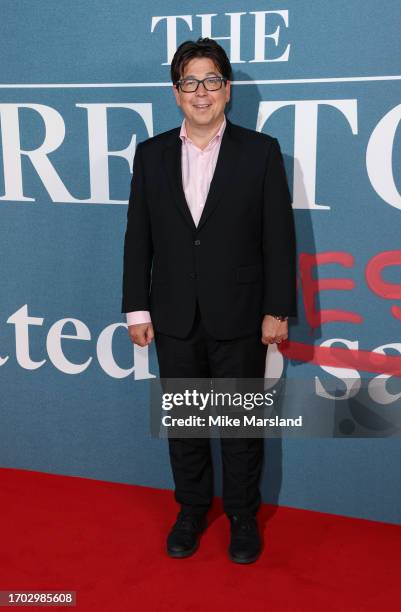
201 356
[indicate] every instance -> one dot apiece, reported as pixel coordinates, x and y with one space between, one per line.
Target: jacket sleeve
279 248
138 247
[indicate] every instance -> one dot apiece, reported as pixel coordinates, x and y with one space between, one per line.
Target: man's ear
176 95
228 91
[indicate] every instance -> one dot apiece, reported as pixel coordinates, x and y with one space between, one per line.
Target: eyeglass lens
210 84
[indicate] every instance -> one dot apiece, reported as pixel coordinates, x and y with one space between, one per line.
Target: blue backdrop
81 84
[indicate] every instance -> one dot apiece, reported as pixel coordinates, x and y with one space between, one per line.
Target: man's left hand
273 330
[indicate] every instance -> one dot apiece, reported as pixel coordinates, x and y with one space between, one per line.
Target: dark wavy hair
203 47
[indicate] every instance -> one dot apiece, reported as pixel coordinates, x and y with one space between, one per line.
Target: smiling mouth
202 105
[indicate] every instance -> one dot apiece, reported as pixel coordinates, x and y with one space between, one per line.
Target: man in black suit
209 272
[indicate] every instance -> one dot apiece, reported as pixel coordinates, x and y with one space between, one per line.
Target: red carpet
106 542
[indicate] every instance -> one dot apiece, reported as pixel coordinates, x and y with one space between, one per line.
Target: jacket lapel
172 161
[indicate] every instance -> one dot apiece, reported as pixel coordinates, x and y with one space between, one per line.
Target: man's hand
273 330
141 334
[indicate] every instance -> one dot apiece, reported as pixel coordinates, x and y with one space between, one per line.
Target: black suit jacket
240 260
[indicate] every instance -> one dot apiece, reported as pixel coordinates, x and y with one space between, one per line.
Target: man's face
202 108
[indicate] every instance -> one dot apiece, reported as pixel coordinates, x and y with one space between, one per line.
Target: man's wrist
137 317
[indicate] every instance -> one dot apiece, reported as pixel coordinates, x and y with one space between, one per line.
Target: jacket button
192 275
197 242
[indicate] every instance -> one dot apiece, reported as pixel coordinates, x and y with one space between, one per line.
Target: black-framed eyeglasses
212 83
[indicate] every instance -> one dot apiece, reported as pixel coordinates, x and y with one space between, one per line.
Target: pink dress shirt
198 166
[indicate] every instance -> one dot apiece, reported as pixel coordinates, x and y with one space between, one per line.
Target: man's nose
201 91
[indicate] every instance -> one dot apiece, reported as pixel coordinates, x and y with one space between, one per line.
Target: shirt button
197 242
192 275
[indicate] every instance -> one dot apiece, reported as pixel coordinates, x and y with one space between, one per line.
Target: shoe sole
186 553
244 561
183 554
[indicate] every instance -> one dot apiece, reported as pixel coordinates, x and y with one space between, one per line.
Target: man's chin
203 120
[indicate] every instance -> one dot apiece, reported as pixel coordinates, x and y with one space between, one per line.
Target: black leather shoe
245 545
183 539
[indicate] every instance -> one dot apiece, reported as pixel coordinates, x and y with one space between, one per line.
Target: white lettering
54 136
377 385
53 345
98 146
171 21
260 36
235 33
348 376
305 142
22 321
379 157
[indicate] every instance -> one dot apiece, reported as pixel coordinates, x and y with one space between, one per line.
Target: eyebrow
191 76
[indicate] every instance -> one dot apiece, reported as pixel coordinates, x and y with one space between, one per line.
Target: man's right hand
141 334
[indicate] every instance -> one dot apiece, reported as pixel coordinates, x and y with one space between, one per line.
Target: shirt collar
185 138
